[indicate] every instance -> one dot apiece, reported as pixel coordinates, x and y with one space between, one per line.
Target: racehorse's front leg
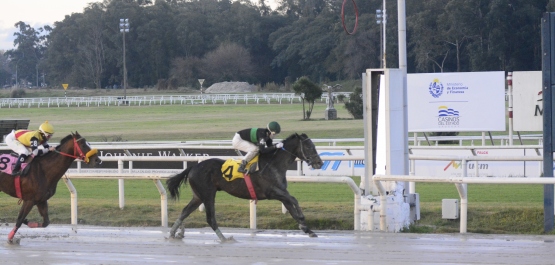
294 209
43 210
178 224
211 220
23 212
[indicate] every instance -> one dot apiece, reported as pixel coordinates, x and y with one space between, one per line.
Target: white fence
191 99
299 176
157 177
459 181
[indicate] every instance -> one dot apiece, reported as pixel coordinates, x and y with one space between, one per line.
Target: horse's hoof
14 241
172 238
229 240
178 236
312 235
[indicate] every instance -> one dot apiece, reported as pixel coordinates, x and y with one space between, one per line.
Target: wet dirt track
60 244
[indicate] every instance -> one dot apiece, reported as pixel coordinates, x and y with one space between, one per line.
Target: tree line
173 43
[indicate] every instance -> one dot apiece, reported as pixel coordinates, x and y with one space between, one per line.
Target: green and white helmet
274 127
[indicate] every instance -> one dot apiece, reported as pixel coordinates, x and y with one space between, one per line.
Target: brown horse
269 183
40 178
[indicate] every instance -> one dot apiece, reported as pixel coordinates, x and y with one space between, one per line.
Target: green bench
6 126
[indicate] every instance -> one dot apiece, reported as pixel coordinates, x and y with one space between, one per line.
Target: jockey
25 143
255 140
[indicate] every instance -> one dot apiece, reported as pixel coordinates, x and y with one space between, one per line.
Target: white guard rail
157 177
460 182
148 100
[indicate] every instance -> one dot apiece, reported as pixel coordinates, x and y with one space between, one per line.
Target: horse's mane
65 139
62 142
68 138
295 135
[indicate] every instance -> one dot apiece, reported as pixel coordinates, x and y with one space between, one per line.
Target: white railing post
121 186
461 188
252 214
163 202
73 196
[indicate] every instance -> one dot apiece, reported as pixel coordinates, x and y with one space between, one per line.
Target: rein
305 158
77 152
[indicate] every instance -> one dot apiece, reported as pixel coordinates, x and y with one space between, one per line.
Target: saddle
7 163
230 166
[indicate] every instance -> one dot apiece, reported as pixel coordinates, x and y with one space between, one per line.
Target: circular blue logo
436 89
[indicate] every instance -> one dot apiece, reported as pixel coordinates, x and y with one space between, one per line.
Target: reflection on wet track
66 244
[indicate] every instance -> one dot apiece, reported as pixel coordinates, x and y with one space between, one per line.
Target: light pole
381 18
123 28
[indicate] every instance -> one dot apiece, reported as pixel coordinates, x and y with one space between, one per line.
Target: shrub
355 105
341 98
271 87
17 93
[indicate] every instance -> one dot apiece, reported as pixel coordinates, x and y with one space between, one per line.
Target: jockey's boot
17 168
242 167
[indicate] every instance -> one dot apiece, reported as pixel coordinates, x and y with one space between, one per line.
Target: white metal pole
121 186
163 202
510 94
384 22
253 214
461 188
357 214
124 72
402 25
402 36
73 196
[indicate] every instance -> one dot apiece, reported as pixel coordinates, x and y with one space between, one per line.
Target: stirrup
242 170
243 167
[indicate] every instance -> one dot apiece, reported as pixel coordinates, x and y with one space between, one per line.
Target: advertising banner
456 102
478 168
330 168
527 101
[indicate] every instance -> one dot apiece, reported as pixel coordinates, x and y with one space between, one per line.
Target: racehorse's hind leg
23 212
294 209
192 206
43 210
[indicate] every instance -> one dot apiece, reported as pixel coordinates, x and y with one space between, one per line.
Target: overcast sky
36 13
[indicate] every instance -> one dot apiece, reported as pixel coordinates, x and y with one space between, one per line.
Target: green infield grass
512 209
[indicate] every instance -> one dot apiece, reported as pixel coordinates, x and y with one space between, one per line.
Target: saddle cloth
230 166
7 162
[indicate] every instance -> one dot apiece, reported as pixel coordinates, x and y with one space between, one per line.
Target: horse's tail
174 183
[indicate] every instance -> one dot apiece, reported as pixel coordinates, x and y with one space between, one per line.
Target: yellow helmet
46 128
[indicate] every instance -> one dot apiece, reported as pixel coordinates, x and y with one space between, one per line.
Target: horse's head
84 150
306 151
81 149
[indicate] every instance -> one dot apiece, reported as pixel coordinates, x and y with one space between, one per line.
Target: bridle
304 158
78 152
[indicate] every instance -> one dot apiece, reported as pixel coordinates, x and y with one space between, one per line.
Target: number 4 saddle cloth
230 166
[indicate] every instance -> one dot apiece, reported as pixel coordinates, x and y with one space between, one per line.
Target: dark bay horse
40 178
269 183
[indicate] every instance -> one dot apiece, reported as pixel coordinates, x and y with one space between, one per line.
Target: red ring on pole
343 17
